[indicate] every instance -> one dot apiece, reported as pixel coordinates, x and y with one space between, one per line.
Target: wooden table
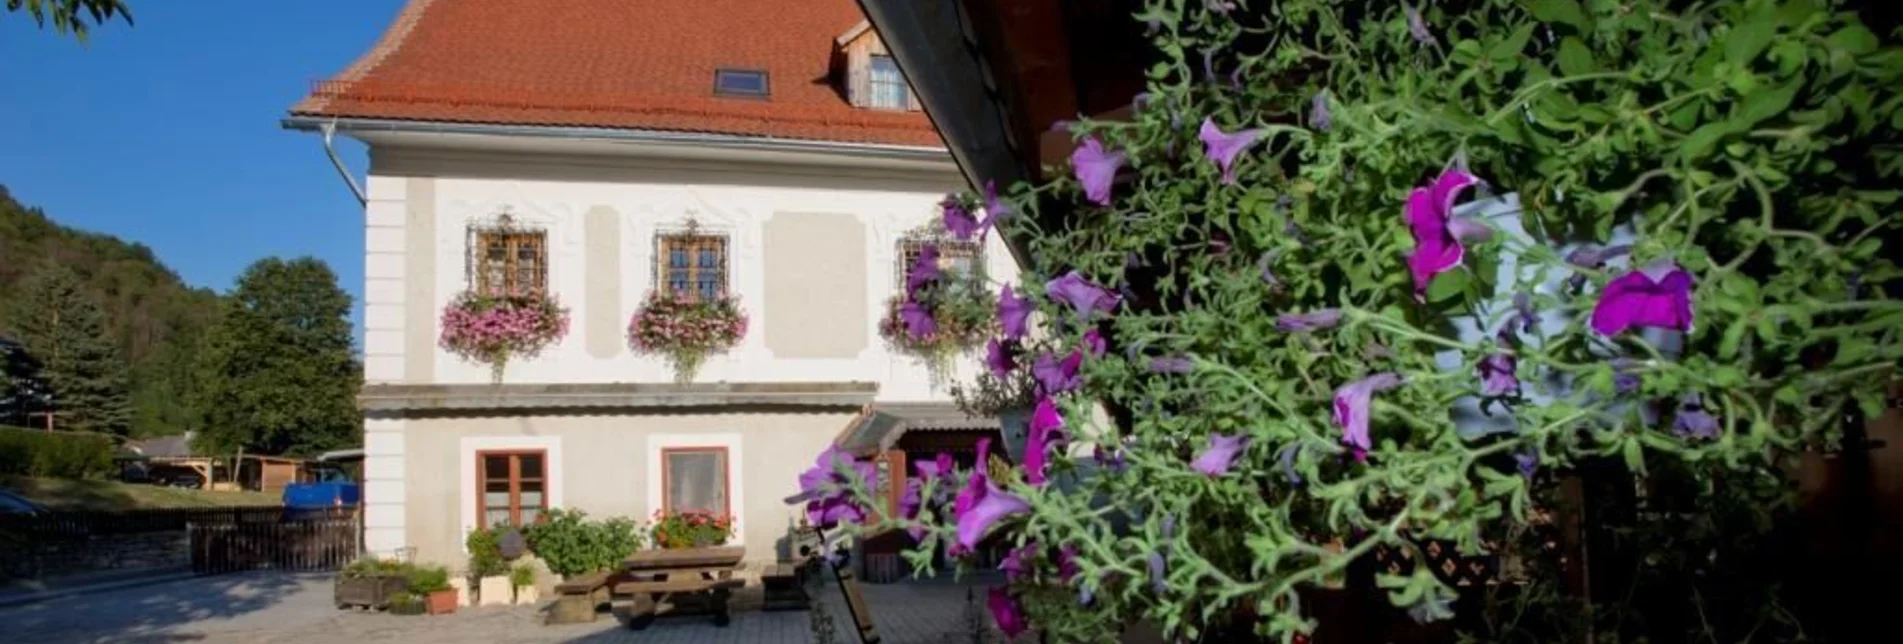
655 576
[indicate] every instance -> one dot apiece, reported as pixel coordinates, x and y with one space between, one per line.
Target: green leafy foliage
571 544
62 454
58 323
485 552
153 319
1719 135
72 16
277 375
428 579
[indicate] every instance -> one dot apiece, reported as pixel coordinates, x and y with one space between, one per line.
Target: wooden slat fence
79 524
320 545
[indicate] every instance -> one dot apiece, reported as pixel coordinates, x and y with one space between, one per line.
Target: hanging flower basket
950 316
686 330
495 328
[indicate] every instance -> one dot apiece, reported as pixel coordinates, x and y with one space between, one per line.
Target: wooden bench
579 599
649 596
784 587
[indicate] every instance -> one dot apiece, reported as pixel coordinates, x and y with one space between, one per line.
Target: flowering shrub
942 313
686 330
690 529
495 328
1359 276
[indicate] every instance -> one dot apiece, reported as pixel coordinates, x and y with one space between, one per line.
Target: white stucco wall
647 196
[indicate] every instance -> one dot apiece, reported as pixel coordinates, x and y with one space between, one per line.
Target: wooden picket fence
302 546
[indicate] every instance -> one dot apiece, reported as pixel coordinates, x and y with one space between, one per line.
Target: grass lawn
70 494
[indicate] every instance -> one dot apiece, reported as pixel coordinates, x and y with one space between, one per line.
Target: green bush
428 579
485 553
572 545
521 576
66 455
373 567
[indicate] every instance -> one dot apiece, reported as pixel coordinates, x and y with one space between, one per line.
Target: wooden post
849 588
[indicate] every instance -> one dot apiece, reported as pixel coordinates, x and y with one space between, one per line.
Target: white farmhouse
597 150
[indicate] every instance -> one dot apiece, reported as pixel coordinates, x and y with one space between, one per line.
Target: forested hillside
154 320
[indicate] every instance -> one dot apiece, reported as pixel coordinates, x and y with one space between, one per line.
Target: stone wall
116 553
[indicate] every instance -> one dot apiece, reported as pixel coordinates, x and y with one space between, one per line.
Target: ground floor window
514 487
694 479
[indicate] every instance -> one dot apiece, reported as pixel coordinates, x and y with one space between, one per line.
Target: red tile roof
626 64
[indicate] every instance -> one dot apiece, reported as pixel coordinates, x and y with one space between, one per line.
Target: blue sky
166 132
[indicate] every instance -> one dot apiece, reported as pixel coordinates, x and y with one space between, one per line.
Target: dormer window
887 85
741 83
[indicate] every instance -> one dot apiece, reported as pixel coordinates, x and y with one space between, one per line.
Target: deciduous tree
277 374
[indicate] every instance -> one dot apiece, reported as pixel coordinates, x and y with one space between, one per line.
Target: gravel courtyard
266 607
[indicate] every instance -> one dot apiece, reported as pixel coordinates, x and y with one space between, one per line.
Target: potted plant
522 577
686 329
370 583
403 602
431 584
571 544
941 313
487 569
690 530
493 328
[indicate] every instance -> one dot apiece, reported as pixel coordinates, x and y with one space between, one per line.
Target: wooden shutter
858 73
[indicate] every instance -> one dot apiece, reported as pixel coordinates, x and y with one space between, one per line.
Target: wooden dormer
873 79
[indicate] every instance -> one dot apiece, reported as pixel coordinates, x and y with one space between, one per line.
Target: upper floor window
509 260
749 83
954 256
693 264
888 90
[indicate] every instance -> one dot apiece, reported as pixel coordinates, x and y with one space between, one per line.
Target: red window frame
726 476
515 483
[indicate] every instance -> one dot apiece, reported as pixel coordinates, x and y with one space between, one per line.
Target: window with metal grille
694 479
954 256
693 265
510 261
513 487
887 84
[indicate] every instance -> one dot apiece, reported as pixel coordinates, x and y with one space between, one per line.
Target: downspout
329 130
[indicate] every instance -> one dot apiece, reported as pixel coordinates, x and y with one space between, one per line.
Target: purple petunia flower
1047 427
995 209
1013 313
1417 26
1658 296
1692 421
1524 312
1096 169
996 505
958 221
975 485
924 269
918 320
1001 357
1084 296
1067 567
1351 407
1223 148
1497 371
1220 455
1316 320
1266 265
1094 343
1467 229
1287 457
1593 258
1318 116
909 504
1056 376
1527 461
1006 611
1436 249
823 487
1017 562
1171 364
1159 573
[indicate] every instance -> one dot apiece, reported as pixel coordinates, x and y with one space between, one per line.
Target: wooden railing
320 545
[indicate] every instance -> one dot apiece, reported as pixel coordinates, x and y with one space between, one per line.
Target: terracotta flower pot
442 602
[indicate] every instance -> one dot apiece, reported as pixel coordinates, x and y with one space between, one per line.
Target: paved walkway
297 609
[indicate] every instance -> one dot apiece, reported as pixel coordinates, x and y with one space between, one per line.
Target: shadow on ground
182 611
927 611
